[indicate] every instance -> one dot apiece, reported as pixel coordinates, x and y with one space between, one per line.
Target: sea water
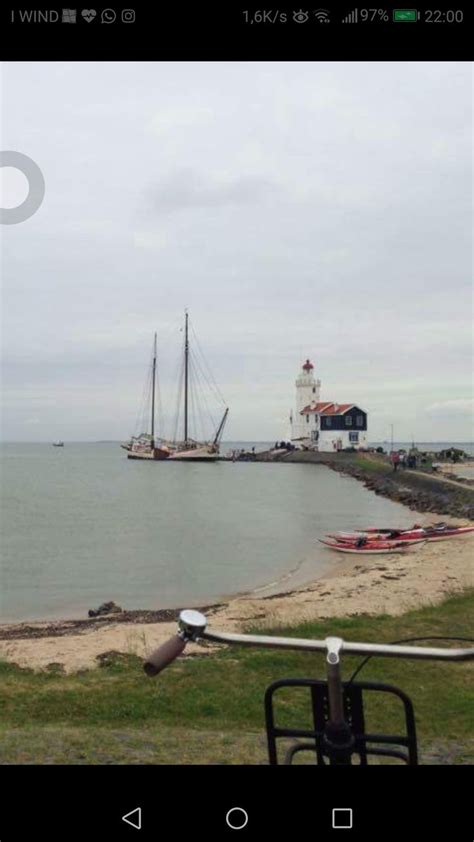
82 525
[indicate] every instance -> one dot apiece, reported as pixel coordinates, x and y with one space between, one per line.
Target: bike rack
364 744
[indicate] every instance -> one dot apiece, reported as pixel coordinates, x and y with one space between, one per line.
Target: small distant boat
58 444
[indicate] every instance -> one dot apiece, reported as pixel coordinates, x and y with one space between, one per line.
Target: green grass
209 709
373 466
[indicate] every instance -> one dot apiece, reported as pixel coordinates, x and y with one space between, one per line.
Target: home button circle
237 818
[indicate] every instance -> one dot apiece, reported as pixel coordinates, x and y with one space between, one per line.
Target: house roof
337 409
316 407
327 408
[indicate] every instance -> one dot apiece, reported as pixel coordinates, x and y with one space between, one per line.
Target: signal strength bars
351 18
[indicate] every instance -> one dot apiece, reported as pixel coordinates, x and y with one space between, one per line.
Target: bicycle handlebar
164 655
387 650
192 627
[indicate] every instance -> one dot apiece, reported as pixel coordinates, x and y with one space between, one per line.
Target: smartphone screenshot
237 463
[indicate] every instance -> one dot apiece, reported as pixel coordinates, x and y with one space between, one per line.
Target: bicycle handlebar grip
164 655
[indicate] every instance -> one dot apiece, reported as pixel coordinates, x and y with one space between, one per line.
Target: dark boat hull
157 456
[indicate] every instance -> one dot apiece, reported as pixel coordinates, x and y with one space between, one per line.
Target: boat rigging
148 446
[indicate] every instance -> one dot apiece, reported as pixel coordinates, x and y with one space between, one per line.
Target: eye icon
300 17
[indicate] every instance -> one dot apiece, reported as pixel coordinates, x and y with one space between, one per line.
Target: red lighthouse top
308 366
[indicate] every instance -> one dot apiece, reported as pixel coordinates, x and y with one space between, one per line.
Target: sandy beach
465 470
391 584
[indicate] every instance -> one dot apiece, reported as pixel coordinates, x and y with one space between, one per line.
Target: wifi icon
322 15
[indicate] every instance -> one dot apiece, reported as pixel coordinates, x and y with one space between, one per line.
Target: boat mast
153 395
186 365
221 427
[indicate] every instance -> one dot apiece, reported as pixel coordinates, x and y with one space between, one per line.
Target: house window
314 435
348 420
328 422
353 438
360 420
307 419
314 389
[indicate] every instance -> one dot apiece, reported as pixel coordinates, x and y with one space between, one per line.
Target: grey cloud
297 209
189 189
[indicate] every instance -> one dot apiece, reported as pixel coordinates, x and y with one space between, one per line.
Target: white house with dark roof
325 425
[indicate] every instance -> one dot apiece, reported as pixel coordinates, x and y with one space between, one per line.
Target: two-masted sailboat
146 445
149 446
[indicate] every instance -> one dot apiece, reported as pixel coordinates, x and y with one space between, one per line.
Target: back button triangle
134 818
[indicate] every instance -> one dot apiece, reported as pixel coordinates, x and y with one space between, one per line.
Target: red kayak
405 537
368 547
415 532
437 532
415 528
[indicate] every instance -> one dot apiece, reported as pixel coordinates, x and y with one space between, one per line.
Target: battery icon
400 15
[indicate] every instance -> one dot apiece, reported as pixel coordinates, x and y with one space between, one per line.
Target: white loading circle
34 176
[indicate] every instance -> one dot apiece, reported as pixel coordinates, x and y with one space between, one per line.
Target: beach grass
209 709
374 463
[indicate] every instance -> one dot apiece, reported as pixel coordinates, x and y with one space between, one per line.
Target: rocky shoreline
418 493
61 628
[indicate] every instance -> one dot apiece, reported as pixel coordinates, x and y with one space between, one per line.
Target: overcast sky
298 210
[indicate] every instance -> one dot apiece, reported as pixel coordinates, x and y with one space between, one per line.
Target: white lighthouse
307 392
325 425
